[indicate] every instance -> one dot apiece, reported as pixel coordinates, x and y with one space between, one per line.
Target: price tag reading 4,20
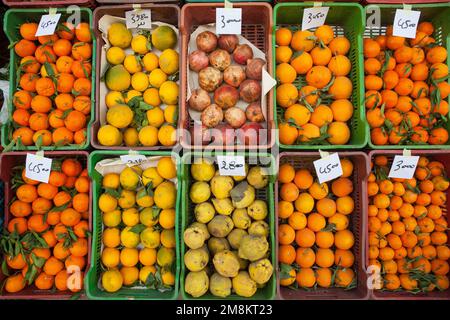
47 24
405 23
314 17
403 167
231 165
228 20
139 19
133 159
38 168
328 168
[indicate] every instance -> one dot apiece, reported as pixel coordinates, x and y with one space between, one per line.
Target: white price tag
38 168
328 168
47 24
314 17
133 159
228 20
231 165
405 23
403 167
139 19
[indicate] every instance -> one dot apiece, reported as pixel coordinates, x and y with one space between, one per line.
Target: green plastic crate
92 279
438 14
12 20
346 19
264 159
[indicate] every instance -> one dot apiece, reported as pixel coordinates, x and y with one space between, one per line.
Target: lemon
202 169
128 238
111 237
110 257
114 97
112 219
132 64
131 137
167 135
166 168
150 61
129 178
127 199
148 136
168 238
167 277
155 117
170 114
165 256
165 195
151 97
130 275
115 55
140 44
131 94
129 257
130 217
157 77
199 192
151 175
164 37
143 199
148 217
112 280
107 202
139 81
119 35
119 116
168 92
111 181
145 272
150 238
147 256
168 61
109 136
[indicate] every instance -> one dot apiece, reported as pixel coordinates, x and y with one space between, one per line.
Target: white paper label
267 82
133 159
38 168
228 20
48 24
231 165
403 167
328 168
314 17
405 23
139 19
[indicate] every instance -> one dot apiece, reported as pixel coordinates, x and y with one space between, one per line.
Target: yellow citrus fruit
168 61
167 277
132 64
110 257
147 256
128 238
148 136
111 237
131 137
150 238
112 280
111 181
112 218
117 78
119 35
165 195
129 257
130 275
109 135
119 116
107 202
151 97
168 238
170 114
130 217
129 178
143 199
115 55
168 92
151 175
167 135
165 256
155 117
167 218
139 81
114 97
140 44
164 37
131 94
148 217
166 168
157 77
145 272
150 61
127 199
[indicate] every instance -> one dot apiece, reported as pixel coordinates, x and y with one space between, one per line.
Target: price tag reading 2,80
38 168
231 165
403 167
133 159
139 19
228 20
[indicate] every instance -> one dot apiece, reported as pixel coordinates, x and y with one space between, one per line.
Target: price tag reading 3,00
228 20
231 165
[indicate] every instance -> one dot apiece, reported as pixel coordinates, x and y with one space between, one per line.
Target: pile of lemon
138 214
142 100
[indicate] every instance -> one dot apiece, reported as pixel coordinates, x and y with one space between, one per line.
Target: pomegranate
226 96
210 79
199 100
250 90
228 42
254 68
206 41
254 113
220 59
250 134
235 117
212 116
242 53
198 60
234 75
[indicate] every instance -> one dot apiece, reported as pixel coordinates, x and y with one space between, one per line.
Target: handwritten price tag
38 168
47 24
328 168
139 19
403 167
314 17
231 165
133 159
228 20
405 23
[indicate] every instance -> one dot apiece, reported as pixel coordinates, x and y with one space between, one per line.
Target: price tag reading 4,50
314 17
47 24
403 167
405 23
231 165
133 159
139 19
328 168
228 20
38 168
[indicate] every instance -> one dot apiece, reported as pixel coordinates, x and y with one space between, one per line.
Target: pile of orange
315 243
49 228
52 101
406 87
312 68
407 227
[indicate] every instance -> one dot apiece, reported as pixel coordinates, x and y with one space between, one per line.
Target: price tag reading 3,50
403 167
231 165
328 168
314 17
228 20
38 168
405 23
139 19
133 159
47 24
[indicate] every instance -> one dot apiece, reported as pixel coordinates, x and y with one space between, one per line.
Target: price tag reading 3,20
47 24
139 19
231 165
314 17
403 167
228 20
38 168
328 168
